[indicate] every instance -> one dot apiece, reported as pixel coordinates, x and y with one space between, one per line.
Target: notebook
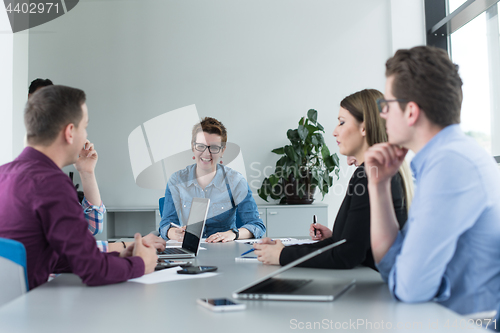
194 231
271 288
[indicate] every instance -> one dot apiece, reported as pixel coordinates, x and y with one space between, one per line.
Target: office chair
13 271
161 203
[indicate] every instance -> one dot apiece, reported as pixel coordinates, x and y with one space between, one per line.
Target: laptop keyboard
276 286
173 250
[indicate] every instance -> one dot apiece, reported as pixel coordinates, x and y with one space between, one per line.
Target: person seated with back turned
448 251
359 127
92 205
39 205
227 189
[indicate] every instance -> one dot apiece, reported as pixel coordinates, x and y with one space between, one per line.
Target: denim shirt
183 186
449 250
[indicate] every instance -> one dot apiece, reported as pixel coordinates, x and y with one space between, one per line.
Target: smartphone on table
197 269
220 304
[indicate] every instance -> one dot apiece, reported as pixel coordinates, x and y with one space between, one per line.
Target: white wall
258 66
6 70
407 24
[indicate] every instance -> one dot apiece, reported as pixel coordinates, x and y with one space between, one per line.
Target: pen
176 225
251 250
314 222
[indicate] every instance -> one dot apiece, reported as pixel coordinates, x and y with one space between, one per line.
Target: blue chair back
161 203
13 271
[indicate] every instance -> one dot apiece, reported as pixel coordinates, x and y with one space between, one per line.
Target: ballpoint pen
314 222
251 250
175 225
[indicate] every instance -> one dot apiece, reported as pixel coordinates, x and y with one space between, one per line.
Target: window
469 49
469 31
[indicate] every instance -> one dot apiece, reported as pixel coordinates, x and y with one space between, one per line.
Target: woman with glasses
360 126
227 190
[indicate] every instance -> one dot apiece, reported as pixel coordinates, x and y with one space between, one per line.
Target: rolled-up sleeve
169 214
248 211
94 216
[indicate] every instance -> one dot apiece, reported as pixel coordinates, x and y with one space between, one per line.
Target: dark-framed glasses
383 104
213 149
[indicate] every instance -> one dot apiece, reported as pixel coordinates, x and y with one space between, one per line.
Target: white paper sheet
168 275
285 241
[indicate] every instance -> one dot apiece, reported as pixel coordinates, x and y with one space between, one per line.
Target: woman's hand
176 234
222 237
268 251
322 232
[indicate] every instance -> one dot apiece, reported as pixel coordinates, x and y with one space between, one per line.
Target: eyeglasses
213 149
383 104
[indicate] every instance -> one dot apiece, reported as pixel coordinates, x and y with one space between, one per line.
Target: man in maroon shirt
39 205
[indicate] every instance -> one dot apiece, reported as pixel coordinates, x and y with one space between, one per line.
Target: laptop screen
195 224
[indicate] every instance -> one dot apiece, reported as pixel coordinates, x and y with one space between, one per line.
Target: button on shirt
182 187
449 250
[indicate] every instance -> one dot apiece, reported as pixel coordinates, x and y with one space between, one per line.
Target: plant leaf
273 179
311 129
293 135
290 152
279 151
312 115
325 152
320 138
276 192
265 189
302 121
336 159
303 132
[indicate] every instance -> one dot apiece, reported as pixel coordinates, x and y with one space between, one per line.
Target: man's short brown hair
51 109
210 126
426 76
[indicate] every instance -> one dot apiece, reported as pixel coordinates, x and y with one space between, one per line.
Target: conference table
66 305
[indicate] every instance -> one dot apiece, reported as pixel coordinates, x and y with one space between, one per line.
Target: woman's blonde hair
362 105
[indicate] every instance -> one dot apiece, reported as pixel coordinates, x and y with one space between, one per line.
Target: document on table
285 241
168 275
247 259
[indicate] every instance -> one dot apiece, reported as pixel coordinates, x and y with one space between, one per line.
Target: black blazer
353 224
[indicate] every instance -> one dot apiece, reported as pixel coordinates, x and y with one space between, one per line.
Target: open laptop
194 231
271 288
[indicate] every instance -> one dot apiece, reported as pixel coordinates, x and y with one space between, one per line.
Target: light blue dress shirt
182 187
449 250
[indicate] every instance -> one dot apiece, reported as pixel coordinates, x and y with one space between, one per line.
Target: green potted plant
306 164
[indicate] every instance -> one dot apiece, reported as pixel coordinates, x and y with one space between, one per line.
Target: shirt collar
218 180
30 153
443 136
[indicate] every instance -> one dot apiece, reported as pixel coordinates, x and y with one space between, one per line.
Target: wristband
124 246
